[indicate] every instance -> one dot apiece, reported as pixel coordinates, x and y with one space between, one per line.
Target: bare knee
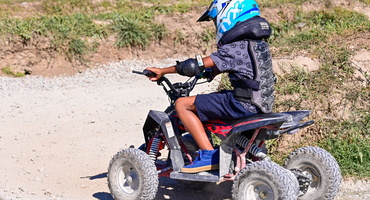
185 103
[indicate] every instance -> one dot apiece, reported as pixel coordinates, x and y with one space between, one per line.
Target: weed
130 32
293 81
224 83
9 71
207 35
365 1
77 49
179 37
159 31
182 7
65 6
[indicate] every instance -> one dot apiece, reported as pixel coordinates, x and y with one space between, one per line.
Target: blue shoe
205 161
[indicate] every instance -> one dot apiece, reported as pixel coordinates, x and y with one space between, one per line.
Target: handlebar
175 90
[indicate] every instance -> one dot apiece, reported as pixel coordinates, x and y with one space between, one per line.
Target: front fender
160 120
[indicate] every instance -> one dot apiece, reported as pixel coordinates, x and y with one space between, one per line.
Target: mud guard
249 123
280 120
158 119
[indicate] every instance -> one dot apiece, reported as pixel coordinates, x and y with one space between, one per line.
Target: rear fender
249 123
296 117
277 120
254 122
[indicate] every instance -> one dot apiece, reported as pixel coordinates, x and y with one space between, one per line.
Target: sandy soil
57 144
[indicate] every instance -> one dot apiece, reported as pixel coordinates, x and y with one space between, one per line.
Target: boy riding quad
241 118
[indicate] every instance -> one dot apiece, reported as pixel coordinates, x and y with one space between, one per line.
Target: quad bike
309 173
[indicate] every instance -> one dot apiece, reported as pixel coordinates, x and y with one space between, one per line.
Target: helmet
227 13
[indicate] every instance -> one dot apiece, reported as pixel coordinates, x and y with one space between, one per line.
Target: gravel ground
58 134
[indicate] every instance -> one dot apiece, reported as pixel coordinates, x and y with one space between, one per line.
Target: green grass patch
315 28
10 72
349 142
135 30
70 24
67 34
365 1
340 108
130 32
276 3
65 7
208 35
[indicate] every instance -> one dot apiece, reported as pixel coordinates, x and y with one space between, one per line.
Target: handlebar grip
149 73
145 72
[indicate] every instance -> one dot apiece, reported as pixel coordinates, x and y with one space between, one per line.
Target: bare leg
186 110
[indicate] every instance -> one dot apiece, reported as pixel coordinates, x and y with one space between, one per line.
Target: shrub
130 32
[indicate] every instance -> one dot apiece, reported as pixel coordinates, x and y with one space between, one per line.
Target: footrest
210 176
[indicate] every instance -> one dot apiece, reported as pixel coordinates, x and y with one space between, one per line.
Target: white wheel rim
316 177
258 190
128 179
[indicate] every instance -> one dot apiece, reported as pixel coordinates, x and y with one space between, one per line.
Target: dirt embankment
39 58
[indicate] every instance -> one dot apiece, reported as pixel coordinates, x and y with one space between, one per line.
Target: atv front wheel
132 175
323 168
265 180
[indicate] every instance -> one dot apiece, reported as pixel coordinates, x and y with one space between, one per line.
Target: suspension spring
254 149
154 147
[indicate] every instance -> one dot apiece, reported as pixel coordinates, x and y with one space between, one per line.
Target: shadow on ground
171 189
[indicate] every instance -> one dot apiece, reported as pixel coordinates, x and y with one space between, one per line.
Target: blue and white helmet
227 13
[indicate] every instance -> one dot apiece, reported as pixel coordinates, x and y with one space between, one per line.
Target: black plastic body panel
160 120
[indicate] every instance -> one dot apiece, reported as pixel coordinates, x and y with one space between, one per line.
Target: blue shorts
220 105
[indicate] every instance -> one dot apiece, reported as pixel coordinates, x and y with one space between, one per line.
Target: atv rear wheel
323 168
265 180
132 175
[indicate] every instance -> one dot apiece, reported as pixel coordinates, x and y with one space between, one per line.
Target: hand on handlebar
157 71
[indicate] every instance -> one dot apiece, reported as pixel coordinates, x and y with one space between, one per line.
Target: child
245 56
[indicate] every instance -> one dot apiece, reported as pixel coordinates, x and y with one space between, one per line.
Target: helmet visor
210 13
204 17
